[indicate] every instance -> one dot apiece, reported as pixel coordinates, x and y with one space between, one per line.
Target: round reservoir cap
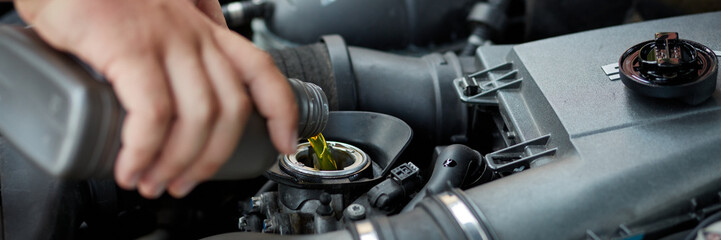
670 68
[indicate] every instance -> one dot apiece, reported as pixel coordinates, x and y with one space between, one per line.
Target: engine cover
603 159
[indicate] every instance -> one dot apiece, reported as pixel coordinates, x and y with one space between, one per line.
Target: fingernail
157 190
183 189
133 181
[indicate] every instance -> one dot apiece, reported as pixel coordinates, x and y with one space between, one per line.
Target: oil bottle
65 119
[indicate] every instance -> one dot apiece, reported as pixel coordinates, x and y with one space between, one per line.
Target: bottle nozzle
312 108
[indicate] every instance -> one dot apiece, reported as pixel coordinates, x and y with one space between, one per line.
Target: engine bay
462 125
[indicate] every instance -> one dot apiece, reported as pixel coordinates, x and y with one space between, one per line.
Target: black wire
269 185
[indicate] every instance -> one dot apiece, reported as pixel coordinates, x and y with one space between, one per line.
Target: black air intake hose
455 165
418 90
377 24
313 64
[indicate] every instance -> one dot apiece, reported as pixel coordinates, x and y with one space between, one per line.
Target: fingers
196 107
184 82
211 106
212 9
268 88
141 87
234 108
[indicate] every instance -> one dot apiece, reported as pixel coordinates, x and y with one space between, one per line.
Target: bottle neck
312 107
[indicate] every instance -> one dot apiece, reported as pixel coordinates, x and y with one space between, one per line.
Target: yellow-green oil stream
323 152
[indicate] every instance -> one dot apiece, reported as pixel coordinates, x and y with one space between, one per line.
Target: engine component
455 165
447 215
571 148
416 90
401 23
310 200
606 138
372 141
403 181
351 161
669 67
597 159
548 18
72 128
487 19
239 13
355 212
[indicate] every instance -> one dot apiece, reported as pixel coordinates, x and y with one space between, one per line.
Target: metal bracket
611 71
481 87
517 158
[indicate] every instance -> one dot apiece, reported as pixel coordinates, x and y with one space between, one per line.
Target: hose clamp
366 231
463 215
342 71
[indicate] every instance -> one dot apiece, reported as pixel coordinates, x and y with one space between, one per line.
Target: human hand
187 83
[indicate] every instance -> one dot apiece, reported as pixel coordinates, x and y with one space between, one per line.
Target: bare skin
187 83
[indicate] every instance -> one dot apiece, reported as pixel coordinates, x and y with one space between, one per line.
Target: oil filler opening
350 160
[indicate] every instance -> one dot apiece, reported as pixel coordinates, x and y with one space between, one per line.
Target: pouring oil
323 152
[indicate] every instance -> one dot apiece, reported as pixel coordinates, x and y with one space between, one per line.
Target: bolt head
355 211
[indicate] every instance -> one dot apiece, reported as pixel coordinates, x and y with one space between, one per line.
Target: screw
355 212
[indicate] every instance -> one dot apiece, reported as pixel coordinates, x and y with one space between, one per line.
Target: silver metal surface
611 71
235 10
366 231
360 161
464 216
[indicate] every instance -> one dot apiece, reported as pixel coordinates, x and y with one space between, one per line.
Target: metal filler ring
360 161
